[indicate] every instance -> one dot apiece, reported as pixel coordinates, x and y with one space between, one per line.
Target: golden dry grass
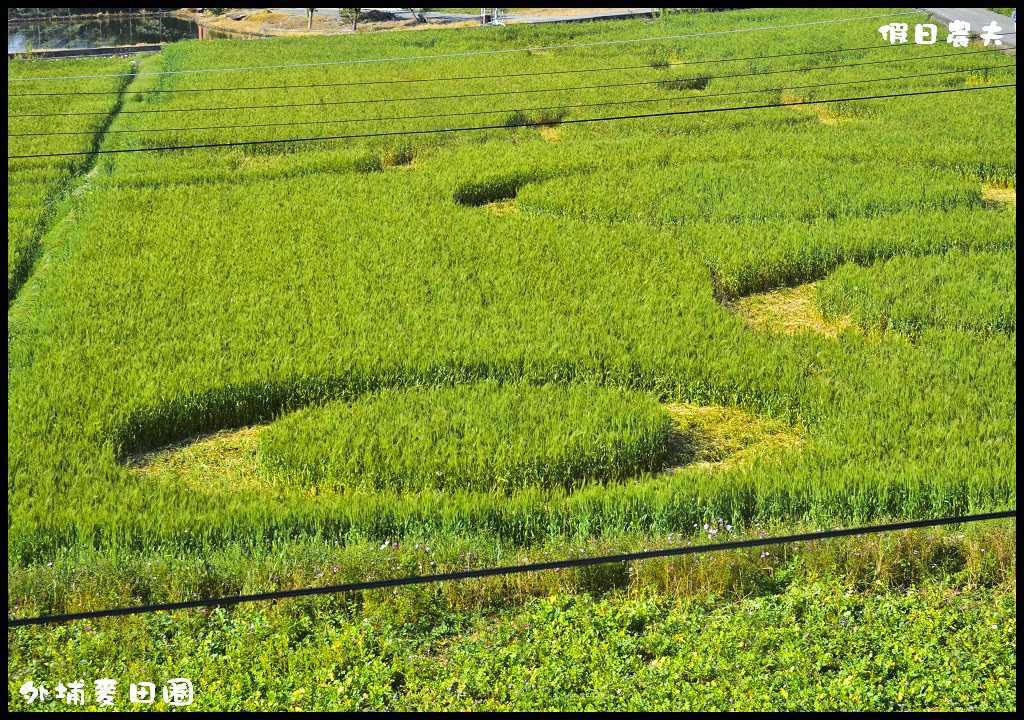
218 462
787 311
551 133
413 25
502 207
824 115
254 161
996 195
268 23
713 438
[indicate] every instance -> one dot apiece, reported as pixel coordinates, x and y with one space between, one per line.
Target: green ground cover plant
911 620
789 652
197 291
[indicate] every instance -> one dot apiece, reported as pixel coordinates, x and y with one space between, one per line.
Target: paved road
607 14
978 18
403 14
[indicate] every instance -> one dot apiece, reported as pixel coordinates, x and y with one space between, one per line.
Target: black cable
468 77
506 127
523 110
503 92
510 570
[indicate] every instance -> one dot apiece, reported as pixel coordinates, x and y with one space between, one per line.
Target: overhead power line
509 570
505 127
416 98
502 76
475 53
519 110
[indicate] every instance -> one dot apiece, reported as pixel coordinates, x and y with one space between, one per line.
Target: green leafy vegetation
910 620
810 647
974 292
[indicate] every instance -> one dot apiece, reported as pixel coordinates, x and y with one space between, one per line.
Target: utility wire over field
491 93
524 124
500 76
528 109
533 567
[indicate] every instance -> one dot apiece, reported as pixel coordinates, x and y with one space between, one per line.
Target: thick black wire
514 110
648 66
502 92
508 570
505 127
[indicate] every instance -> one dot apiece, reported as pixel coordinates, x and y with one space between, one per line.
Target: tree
350 14
418 13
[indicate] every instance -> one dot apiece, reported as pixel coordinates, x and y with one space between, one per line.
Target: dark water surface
103 32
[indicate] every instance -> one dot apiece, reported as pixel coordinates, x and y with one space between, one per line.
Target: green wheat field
263 366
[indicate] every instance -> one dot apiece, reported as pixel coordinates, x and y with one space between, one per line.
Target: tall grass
486 437
34 187
961 291
202 290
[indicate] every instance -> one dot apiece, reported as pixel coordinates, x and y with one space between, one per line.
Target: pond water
104 31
